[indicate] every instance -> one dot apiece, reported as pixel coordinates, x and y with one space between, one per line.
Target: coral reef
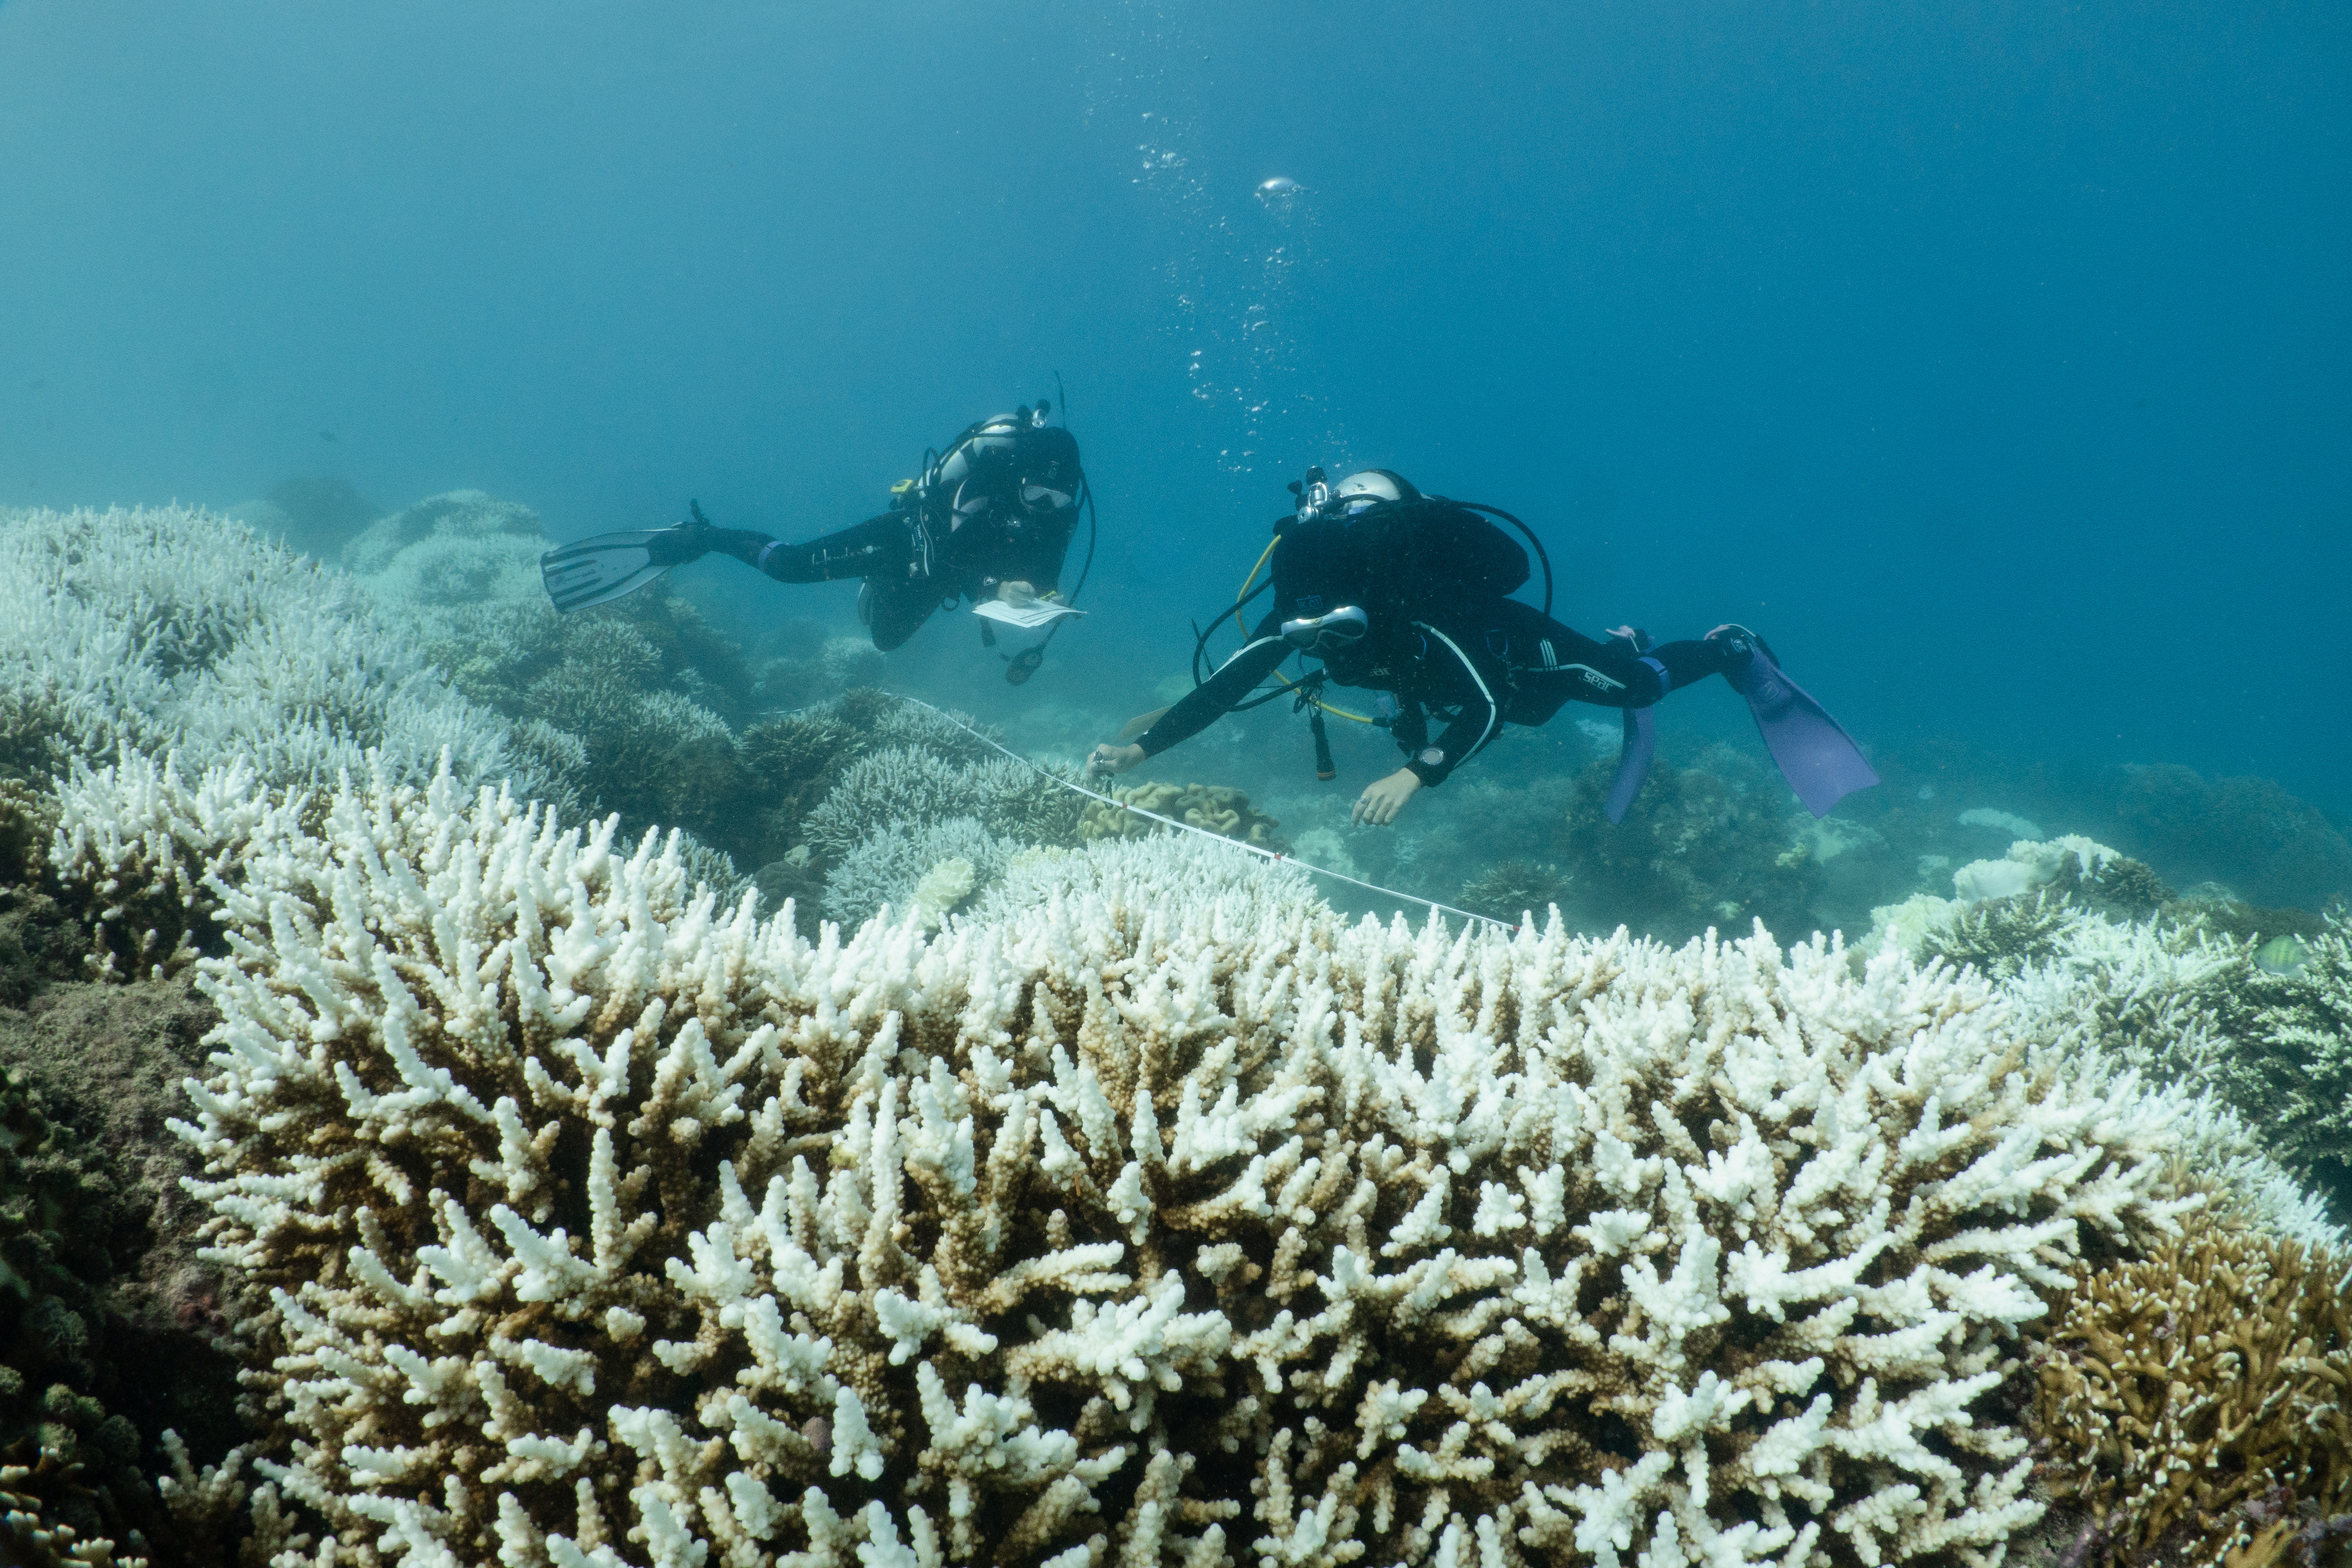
1222 810
637 699
605 1225
2195 1400
2007 822
798 761
1701 847
2019 910
2246 832
315 515
115 1340
174 631
71 1355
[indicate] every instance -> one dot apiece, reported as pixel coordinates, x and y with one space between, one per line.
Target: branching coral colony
2195 1402
607 1225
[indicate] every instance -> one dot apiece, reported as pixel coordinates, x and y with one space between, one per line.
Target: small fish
326 435
2281 955
1141 722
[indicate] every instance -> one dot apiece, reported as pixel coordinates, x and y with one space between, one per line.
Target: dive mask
1336 633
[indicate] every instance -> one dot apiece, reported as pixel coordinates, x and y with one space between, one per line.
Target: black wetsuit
1477 660
1000 507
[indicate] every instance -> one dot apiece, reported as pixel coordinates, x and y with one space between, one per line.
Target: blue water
1989 358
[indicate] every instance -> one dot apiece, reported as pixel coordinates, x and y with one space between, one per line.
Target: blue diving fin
1634 761
1816 755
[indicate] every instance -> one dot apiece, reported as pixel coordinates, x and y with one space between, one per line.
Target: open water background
1989 357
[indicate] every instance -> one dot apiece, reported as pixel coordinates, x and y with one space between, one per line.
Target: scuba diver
1406 594
990 518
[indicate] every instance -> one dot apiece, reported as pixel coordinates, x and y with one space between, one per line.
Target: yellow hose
1243 626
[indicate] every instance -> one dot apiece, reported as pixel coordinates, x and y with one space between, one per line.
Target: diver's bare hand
1016 592
1383 798
1109 759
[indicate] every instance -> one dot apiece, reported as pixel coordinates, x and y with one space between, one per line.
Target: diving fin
1816 755
597 571
1634 761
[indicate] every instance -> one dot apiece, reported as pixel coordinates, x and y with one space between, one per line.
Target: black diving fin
597 571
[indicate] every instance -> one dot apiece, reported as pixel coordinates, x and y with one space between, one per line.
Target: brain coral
607 1226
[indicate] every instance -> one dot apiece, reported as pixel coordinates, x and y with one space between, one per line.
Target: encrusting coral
2195 1401
607 1226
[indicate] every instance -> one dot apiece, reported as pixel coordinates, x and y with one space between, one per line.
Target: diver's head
1368 487
1051 477
1359 491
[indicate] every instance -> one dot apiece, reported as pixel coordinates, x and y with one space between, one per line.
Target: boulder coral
607 1225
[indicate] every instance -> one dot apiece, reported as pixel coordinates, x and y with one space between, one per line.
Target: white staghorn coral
895 788
169 629
609 1226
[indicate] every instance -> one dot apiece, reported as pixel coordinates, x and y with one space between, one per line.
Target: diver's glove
1642 640
684 542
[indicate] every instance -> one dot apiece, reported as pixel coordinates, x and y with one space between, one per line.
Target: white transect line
1202 832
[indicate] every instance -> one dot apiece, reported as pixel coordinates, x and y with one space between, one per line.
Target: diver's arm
1465 736
1036 557
1480 719
1211 701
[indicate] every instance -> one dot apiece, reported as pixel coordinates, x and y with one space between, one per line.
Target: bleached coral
1128 877
895 787
2007 822
617 692
888 868
171 630
2028 864
2286 1051
457 547
609 1226
2006 914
